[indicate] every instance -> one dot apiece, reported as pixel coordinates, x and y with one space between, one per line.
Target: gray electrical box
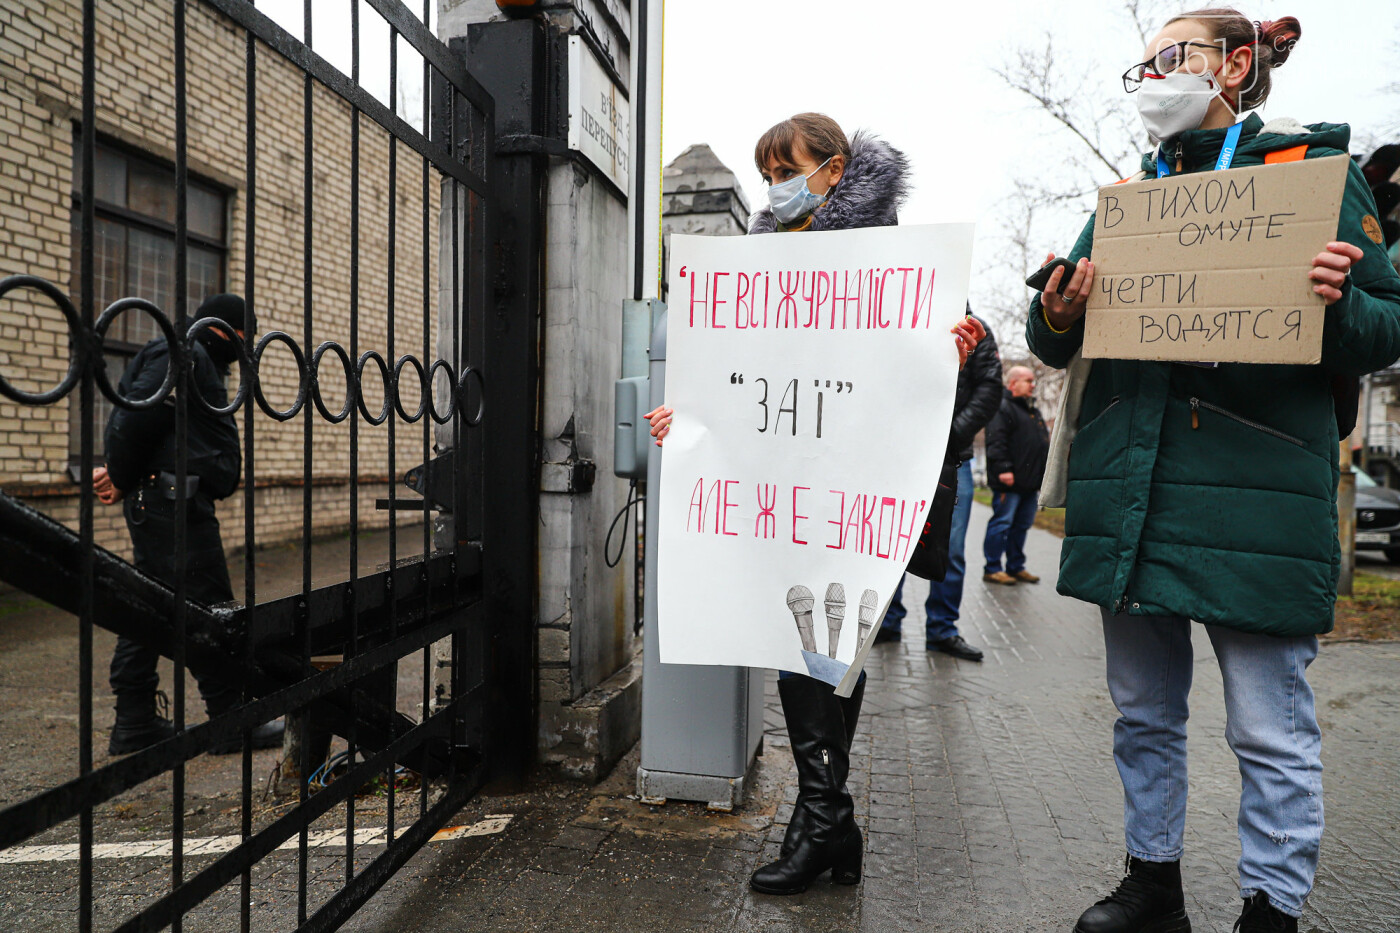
701 725
632 432
631 394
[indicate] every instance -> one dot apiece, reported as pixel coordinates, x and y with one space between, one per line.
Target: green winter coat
1222 521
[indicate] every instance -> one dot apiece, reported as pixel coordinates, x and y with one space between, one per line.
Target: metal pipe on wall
644 201
701 725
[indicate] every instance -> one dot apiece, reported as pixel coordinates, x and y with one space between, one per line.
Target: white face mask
792 199
1172 104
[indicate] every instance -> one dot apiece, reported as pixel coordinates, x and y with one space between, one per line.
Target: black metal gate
366 623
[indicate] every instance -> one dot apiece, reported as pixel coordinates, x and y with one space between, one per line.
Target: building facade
700 196
134 255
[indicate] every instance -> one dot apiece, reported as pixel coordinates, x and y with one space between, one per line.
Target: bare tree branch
1144 15
1034 76
1094 132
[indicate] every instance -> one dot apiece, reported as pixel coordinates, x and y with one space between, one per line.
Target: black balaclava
227 308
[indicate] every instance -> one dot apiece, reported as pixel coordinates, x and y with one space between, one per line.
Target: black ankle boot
798 824
268 735
1260 916
138 725
1147 900
217 701
829 838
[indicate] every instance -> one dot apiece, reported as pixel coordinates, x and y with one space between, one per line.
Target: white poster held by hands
812 376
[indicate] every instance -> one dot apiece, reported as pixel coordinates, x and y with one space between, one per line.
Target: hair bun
1279 35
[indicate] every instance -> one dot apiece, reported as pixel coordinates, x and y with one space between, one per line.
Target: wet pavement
987 792
39 667
39 673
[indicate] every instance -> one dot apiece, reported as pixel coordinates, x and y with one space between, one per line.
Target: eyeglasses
1162 64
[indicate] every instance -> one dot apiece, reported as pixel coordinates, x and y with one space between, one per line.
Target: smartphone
1041 277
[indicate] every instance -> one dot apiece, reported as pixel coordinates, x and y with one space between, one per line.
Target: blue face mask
792 199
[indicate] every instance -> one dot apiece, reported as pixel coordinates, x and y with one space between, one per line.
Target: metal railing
371 621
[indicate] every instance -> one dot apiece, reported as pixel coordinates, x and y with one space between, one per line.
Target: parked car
1377 518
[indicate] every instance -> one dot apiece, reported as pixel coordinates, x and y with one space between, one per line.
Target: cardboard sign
1213 266
813 377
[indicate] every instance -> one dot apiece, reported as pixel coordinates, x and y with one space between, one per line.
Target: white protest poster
813 378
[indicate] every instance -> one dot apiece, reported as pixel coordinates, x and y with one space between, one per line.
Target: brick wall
40 104
278 510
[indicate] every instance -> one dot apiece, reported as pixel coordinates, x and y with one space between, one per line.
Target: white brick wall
40 103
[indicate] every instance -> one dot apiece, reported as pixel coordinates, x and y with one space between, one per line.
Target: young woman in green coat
1208 494
820 180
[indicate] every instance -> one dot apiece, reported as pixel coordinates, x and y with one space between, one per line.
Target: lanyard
1227 155
1227 152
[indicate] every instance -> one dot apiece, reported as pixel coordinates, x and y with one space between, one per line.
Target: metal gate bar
59 804
185 897
372 621
250 570
424 42
85 459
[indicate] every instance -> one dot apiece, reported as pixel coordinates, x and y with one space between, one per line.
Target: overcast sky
920 78
331 38
923 79
920 75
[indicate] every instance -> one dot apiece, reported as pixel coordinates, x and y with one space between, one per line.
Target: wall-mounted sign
600 118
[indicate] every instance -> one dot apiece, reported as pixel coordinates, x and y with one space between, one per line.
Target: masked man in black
140 472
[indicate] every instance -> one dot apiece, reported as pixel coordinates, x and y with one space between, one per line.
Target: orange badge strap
1293 154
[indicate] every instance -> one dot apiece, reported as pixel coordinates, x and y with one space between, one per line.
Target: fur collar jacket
870 193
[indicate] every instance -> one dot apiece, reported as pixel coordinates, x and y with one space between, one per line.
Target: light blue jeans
1271 727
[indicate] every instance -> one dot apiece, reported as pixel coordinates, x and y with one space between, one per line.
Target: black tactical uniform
140 453
975 402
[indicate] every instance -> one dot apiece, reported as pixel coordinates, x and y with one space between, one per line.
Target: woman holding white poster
820 180
1206 492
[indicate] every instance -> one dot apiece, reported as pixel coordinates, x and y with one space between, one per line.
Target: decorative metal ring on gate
278 336
351 384
360 381
191 335
99 329
425 390
475 419
451 392
87 345
81 347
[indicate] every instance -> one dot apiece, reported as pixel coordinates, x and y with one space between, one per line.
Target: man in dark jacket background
140 472
976 401
1017 445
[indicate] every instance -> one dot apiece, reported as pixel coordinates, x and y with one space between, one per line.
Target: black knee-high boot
830 839
850 714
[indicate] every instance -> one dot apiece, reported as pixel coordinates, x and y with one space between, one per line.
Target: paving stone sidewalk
987 791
